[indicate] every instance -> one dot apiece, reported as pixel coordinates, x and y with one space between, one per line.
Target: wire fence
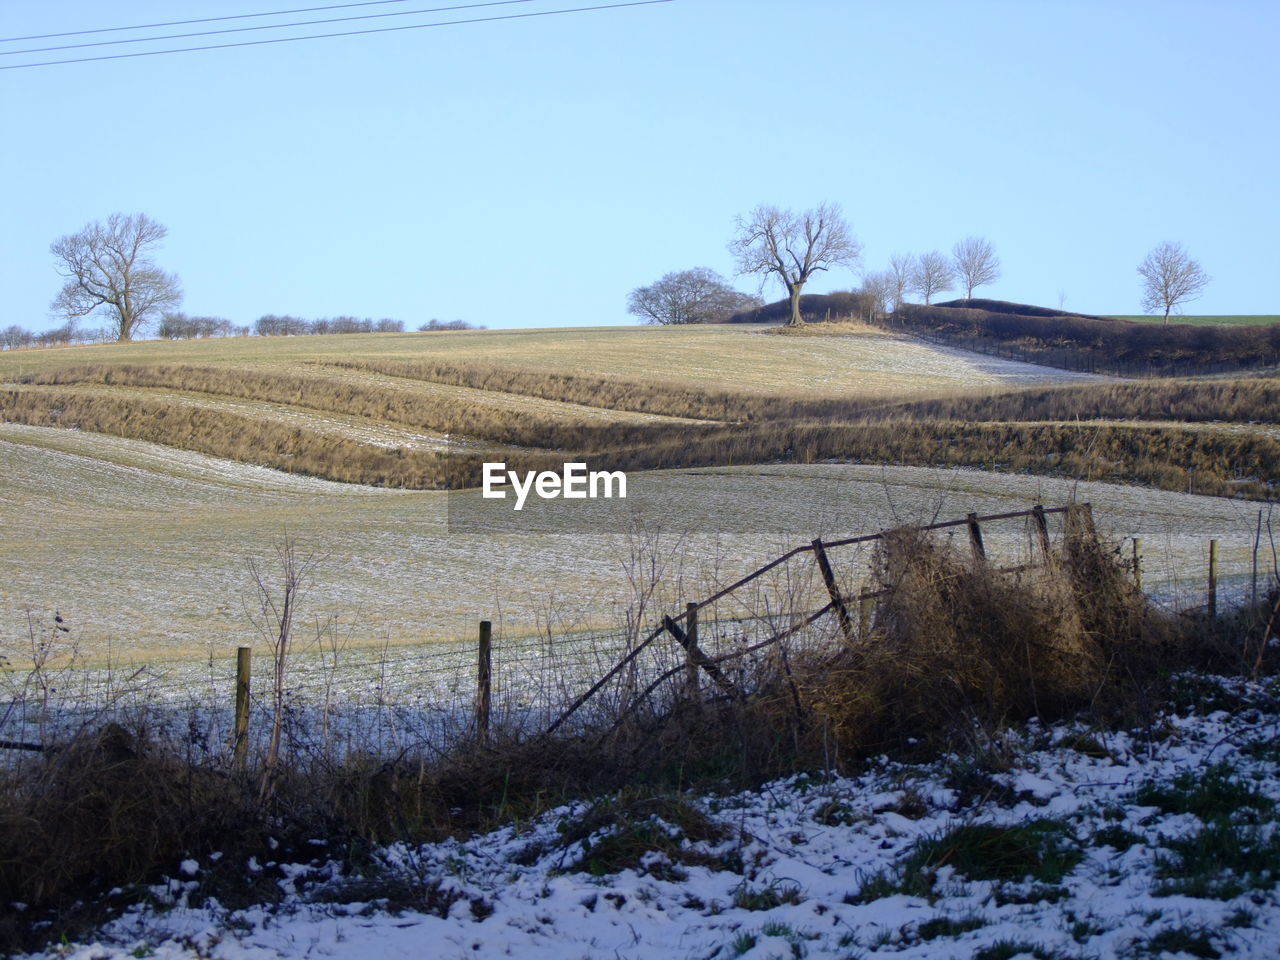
384 699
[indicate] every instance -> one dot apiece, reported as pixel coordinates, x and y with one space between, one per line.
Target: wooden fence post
975 539
1213 578
484 681
1137 562
240 747
837 601
692 683
701 659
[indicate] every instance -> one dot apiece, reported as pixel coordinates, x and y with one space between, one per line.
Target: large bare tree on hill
1170 277
108 269
976 263
794 246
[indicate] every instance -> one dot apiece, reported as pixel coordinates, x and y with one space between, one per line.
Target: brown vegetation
1250 400
957 644
1096 344
815 308
240 437
1035 431
350 396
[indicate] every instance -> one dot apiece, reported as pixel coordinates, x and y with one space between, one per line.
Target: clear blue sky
532 172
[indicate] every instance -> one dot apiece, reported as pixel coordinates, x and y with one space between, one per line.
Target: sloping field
143 549
421 411
138 526
738 358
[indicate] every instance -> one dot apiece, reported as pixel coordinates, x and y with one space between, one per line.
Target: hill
1092 343
423 410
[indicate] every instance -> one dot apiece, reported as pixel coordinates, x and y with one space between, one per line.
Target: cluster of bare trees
434 324
178 326
973 263
108 271
271 325
13 336
790 247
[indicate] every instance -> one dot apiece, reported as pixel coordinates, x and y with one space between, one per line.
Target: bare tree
689 296
108 268
1170 277
794 246
880 289
902 267
932 275
273 613
14 336
976 263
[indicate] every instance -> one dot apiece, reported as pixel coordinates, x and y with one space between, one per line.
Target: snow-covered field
1049 842
143 549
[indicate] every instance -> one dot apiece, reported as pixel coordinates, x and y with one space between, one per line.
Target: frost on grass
143 547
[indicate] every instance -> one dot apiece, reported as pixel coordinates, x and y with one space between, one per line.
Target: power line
183 23
268 26
347 33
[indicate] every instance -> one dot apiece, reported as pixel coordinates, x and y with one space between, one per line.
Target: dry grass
833 328
956 645
1245 400
734 358
960 431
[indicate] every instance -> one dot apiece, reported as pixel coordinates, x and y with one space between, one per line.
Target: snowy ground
1158 843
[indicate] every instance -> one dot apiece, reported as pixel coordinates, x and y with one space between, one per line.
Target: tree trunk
793 292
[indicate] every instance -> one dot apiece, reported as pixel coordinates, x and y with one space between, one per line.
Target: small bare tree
1170 277
932 275
273 614
108 268
976 263
880 289
794 246
902 267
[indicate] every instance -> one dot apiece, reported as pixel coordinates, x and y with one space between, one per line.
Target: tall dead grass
957 644
1238 400
1220 463
349 396
1034 431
